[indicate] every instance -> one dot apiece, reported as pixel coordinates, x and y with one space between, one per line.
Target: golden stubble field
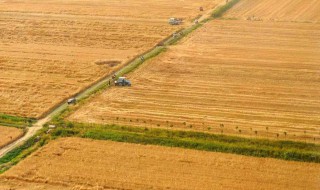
244 77
74 163
49 49
278 11
9 134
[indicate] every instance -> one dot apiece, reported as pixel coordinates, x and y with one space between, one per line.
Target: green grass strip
12 125
286 150
14 121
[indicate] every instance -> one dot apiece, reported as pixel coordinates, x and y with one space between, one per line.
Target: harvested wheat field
257 78
275 10
9 134
51 49
74 163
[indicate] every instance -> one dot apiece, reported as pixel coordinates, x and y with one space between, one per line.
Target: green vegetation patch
14 121
286 150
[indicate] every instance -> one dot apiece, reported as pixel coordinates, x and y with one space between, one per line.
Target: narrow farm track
30 132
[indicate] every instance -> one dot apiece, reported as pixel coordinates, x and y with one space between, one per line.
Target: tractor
122 81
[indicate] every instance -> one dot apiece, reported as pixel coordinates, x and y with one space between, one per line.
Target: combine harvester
175 21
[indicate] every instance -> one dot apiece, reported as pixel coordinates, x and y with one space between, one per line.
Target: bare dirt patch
48 48
74 163
9 134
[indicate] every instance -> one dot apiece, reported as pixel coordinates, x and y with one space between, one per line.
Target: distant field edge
285 150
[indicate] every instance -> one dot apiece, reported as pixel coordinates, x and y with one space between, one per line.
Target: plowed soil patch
74 163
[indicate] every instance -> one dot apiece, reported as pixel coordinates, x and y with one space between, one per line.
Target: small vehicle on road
122 81
72 101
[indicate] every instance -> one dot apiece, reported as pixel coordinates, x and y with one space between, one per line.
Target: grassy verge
286 150
182 34
13 121
136 63
224 8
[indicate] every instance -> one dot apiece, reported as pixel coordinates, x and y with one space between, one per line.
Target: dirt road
31 131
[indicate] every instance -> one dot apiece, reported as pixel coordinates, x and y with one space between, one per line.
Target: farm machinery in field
72 101
122 81
174 21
